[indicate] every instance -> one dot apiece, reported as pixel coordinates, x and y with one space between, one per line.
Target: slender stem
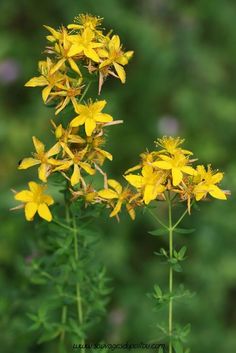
156 218
85 92
62 225
78 294
63 321
180 219
170 328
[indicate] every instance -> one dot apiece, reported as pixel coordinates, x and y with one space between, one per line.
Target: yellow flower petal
162 165
48 200
75 178
108 194
115 43
135 180
120 72
57 66
217 177
45 92
115 185
87 168
133 169
44 212
216 192
74 66
54 33
116 209
199 195
91 54
74 50
67 150
98 106
33 186
131 211
189 170
42 172
54 150
103 118
90 126
147 170
24 196
37 81
30 210
28 162
105 153
77 121
149 194
177 176
38 145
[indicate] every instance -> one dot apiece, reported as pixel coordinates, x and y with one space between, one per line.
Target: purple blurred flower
117 317
168 125
9 70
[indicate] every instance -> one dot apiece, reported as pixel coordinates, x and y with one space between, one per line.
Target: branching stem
170 314
78 292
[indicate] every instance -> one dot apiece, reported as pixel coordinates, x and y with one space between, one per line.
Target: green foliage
59 272
181 80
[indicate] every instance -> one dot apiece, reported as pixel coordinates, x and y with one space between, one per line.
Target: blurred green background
181 82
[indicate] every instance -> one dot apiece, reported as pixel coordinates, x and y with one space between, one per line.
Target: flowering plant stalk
168 176
79 56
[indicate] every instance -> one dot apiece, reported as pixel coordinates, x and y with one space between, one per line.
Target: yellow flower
90 114
117 193
206 183
171 145
77 163
114 56
67 91
87 193
84 44
67 135
177 163
48 79
95 152
147 158
35 200
41 157
61 48
84 21
150 182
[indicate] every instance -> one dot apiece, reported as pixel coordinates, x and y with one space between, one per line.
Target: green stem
78 293
62 225
156 218
180 219
85 92
170 321
63 321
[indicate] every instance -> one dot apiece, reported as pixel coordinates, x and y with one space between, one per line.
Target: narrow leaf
158 232
178 347
182 252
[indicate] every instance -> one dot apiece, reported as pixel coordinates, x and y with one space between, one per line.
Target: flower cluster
76 51
171 168
77 55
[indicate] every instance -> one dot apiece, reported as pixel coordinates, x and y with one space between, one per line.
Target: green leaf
158 290
160 350
184 231
158 232
177 268
186 330
178 347
182 252
49 336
